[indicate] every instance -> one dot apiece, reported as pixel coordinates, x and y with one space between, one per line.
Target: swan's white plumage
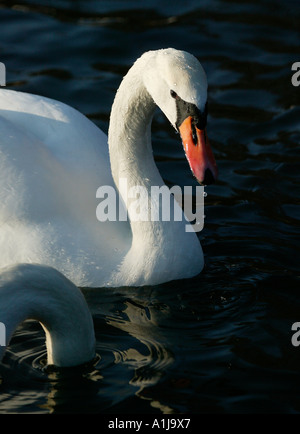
53 159
32 291
179 71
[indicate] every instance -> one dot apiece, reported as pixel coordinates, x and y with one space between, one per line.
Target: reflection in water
149 358
139 363
72 389
152 357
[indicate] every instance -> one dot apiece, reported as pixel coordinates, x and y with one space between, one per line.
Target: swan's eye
173 94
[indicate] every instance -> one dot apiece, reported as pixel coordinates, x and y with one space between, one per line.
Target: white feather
53 160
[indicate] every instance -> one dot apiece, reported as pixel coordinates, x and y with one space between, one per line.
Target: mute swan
42 293
53 160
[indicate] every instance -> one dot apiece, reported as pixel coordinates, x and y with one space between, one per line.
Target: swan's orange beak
198 152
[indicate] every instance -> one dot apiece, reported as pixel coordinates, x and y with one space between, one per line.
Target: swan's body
53 160
38 292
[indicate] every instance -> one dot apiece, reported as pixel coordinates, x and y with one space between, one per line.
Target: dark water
221 342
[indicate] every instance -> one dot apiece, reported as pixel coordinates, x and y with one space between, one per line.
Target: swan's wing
67 134
52 161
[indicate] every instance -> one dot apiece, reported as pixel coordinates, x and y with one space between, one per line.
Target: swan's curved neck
129 134
130 148
43 294
157 246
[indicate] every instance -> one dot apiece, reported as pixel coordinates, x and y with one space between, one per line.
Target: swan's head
178 85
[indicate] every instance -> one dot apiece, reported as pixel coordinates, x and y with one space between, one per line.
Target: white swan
53 160
29 291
